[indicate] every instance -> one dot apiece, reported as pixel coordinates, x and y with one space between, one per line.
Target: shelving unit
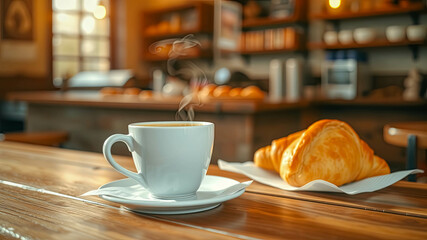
297 21
154 30
299 15
154 37
177 22
272 51
378 43
204 27
198 55
411 8
269 21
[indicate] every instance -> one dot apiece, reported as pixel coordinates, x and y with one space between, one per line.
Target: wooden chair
412 135
40 138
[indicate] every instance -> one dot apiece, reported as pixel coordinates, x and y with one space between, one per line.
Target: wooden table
40 189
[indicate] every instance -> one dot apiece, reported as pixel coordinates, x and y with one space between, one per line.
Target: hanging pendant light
100 11
334 4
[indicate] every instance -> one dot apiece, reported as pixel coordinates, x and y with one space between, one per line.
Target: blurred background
361 61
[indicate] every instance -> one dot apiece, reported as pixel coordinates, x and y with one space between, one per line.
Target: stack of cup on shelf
345 37
416 32
365 35
393 34
401 33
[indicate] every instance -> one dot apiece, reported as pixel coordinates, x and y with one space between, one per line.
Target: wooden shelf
372 102
299 15
249 52
201 19
413 7
174 8
377 43
264 51
268 21
175 34
156 58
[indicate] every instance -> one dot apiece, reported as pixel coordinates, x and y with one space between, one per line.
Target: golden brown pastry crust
270 157
279 146
332 151
221 91
131 91
329 150
106 91
252 92
262 158
235 92
145 94
207 90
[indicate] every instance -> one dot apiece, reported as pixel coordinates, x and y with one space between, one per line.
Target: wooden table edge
249 190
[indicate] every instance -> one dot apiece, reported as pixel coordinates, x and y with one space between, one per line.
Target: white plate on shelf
204 200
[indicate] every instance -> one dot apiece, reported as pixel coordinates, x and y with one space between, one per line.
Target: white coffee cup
345 37
395 33
330 37
171 158
416 32
364 35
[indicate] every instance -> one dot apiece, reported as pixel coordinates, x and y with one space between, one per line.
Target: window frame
80 57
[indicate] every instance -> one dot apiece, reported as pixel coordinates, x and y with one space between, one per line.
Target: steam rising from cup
179 49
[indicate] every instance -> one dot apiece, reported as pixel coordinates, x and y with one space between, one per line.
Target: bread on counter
116 91
145 94
235 92
111 91
226 92
252 92
131 91
207 91
328 149
221 91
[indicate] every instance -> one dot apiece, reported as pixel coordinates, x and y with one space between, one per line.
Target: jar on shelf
175 23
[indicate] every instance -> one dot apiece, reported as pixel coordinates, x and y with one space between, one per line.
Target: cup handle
106 149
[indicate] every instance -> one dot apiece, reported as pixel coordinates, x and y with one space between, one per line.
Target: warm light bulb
334 3
100 12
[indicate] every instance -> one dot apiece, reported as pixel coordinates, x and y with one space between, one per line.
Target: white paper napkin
274 180
134 192
138 192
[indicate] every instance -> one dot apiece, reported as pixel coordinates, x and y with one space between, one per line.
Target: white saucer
204 200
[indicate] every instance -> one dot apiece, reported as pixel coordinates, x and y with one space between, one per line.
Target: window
80 36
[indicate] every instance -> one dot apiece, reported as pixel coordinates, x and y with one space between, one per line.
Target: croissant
329 150
270 157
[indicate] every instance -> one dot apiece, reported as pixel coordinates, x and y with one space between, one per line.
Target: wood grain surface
40 199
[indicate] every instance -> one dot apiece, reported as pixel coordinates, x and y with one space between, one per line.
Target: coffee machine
345 75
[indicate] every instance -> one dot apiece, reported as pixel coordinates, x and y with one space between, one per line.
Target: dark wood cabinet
161 27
